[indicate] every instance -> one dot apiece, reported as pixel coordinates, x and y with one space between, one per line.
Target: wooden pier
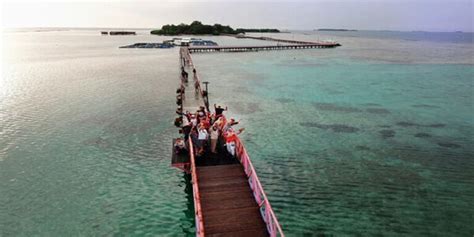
200 49
280 40
228 197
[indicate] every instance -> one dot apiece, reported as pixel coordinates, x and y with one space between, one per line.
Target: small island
197 28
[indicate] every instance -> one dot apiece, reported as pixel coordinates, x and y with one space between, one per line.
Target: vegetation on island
197 28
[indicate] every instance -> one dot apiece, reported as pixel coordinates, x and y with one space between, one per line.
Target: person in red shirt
231 139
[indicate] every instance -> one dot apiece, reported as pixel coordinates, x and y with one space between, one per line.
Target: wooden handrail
196 194
194 177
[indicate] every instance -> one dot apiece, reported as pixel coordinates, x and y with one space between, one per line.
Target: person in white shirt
203 135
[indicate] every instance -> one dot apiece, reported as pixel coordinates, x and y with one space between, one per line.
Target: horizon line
283 30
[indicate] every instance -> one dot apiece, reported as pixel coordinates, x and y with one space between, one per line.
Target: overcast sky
408 15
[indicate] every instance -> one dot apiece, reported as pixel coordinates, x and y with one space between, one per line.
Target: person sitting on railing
180 90
179 111
179 146
187 130
230 139
229 124
219 110
178 121
185 115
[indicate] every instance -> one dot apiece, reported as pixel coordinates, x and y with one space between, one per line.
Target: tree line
197 28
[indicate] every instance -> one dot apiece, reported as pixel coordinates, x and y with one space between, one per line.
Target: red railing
273 226
196 194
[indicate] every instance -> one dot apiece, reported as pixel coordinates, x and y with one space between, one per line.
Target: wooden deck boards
228 206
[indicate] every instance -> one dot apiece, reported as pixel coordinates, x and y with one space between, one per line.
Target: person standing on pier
214 137
231 139
203 135
219 110
196 87
184 76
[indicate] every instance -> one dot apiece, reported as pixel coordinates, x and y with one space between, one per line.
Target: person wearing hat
219 110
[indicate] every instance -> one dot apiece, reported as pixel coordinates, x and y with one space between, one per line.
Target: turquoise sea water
372 138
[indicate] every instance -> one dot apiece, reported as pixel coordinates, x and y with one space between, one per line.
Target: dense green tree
197 28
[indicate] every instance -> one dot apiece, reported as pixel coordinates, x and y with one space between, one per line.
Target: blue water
371 138
440 37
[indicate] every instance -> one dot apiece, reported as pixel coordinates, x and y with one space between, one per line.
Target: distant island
335 29
197 28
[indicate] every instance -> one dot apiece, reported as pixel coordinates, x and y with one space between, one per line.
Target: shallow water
372 138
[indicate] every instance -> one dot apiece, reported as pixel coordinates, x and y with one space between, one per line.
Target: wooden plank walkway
192 99
195 49
228 205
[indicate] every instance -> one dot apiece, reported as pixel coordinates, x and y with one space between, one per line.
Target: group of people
207 130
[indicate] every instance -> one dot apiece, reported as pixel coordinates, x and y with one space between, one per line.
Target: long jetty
280 40
201 49
290 44
229 199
